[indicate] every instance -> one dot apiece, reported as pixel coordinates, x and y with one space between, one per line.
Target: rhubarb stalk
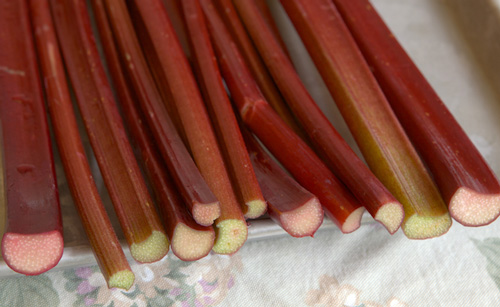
293 153
127 189
102 237
327 141
32 242
373 124
200 200
232 144
189 240
255 64
231 228
467 184
291 206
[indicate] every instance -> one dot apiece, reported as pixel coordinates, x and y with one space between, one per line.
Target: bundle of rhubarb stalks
199 122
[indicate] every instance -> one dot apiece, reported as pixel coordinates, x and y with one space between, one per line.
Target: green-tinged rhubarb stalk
32 242
102 238
467 184
254 63
291 206
293 153
326 140
130 197
385 146
231 228
200 200
232 144
189 240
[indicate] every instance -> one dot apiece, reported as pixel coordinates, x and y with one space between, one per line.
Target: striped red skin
291 206
467 184
293 153
32 242
174 10
196 122
327 141
171 207
232 144
122 176
268 17
102 237
379 135
197 195
254 62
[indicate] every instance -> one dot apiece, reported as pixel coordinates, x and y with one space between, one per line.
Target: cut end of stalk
471 208
152 249
303 221
353 221
189 244
206 214
231 234
32 254
256 208
425 227
122 279
390 215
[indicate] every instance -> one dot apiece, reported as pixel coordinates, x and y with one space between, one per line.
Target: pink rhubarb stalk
327 141
284 144
102 237
385 146
467 184
32 242
189 240
130 197
232 144
231 228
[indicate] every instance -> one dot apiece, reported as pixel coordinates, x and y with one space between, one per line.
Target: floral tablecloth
366 268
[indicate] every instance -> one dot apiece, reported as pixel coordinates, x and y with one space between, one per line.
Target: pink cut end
353 221
32 254
189 244
303 221
390 215
206 214
471 208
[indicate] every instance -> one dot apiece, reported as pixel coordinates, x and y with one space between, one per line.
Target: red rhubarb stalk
293 153
327 141
125 184
102 237
291 206
232 144
174 11
189 240
467 184
254 62
200 200
32 242
268 17
374 126
231 228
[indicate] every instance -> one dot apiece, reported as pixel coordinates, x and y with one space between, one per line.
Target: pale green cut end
425 227
255 209
152 249
122 279
391 216
230 236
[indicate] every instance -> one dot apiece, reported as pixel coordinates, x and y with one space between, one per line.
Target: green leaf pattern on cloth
490 248
28 291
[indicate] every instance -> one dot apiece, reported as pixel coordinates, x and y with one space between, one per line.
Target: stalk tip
255 209
206 214
390 215
189 244
230 236
152 249
425 227
122 279
304 220
32 254
353 221
471 208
